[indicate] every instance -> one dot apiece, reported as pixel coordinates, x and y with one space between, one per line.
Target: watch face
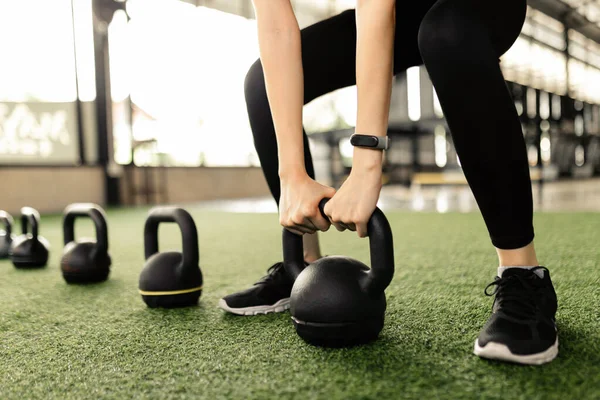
364 141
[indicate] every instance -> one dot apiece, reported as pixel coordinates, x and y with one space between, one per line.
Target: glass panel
544 105
528 27
547 30
585 82
577 37
578 50
38 122
336 110
546 21
534 65
593 56
185 68
414 93
84 44
440 146
38 62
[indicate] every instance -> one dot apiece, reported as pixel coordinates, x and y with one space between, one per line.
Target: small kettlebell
29 250
6 236
171 279
86 260
338 301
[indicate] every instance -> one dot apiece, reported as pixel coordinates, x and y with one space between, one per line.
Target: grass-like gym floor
60 341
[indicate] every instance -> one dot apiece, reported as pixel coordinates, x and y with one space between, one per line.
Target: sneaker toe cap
252 297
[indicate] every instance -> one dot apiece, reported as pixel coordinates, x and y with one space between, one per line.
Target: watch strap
370 141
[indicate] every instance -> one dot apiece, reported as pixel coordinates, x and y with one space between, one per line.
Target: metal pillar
103 13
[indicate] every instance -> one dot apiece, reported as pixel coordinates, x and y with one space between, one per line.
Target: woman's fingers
351 223
298 225
361 228
339 224
296 231
350 226
339 227
315 218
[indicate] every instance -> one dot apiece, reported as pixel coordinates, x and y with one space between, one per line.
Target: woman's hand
299 204
354 203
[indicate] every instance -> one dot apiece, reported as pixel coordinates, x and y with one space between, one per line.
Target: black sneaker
522 328
271 294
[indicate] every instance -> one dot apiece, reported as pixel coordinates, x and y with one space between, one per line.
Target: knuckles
350 219
285 223
307 212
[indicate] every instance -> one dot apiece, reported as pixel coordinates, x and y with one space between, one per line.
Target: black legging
459 42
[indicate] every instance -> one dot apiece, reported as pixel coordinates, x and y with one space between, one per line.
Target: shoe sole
498 351
281 306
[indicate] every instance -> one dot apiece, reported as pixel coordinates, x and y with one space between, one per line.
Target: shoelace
272 273
515 295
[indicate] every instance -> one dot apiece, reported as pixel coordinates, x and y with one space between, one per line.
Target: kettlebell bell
6 236
171 279
29 250
338 301
85 260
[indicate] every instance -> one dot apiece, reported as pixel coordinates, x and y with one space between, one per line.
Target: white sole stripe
281 306
498 351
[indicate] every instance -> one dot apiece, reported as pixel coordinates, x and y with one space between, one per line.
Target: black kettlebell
6 236
29 250
338 301
85 260
171 279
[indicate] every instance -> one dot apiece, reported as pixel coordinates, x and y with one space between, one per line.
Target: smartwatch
370 141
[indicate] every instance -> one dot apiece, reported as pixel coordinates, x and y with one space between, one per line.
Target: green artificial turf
73 342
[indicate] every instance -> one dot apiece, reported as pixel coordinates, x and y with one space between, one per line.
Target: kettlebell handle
30 217
96 214
189 234
7 220
381 250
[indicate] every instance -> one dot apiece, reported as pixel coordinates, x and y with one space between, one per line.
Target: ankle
523 257
518 263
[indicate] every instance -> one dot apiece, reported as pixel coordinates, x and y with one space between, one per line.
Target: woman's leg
461 42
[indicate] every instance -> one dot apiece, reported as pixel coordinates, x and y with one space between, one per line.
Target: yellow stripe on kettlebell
170 293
